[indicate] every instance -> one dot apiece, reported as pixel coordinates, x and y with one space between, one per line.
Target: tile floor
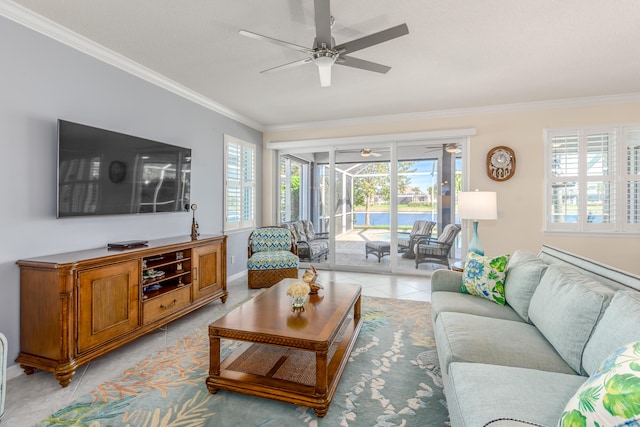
32 398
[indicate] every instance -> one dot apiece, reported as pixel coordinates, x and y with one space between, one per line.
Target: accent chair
272 256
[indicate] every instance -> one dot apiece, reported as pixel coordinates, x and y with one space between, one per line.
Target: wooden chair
437 250
272 256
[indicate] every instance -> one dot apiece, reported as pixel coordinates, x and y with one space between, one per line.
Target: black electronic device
127 244
101 172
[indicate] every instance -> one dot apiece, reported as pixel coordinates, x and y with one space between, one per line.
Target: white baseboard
14 371
237 276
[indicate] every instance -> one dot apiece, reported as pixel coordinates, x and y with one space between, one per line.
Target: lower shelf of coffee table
286 374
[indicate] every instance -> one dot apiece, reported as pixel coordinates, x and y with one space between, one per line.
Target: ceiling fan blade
275 41
288 65
323 23
361 63
373 39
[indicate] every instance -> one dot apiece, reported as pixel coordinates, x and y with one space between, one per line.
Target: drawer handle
164 307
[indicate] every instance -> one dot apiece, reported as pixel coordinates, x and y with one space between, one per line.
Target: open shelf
165 272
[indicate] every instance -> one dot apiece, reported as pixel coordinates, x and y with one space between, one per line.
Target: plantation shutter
632 178
248 184
563 180
599 203
240 185
592 182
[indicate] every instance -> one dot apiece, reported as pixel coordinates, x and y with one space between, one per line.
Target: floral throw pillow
611 395
483 276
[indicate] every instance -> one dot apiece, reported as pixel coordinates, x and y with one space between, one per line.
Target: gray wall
42 80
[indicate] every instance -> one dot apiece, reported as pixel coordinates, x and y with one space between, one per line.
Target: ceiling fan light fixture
324 61
452 148
365 152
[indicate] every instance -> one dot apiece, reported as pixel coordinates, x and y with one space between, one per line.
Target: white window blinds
240 185
631 178
586 188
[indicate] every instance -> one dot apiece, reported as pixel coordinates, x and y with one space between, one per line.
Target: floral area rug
392 379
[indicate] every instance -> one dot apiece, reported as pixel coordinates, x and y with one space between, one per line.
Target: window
294 188
240 184
593 180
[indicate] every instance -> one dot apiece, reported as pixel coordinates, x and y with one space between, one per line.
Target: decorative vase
297 304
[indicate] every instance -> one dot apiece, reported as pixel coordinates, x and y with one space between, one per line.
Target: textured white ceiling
458 54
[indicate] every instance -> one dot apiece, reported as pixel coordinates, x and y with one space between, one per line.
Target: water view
405 219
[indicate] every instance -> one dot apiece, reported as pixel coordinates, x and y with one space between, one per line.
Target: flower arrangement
298 290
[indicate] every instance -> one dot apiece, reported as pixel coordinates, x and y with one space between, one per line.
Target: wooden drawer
165 304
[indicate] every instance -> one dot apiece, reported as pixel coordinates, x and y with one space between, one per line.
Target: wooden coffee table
292 357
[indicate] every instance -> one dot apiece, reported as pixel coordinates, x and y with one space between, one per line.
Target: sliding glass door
294 188
362 192
373 202
304 200
429 177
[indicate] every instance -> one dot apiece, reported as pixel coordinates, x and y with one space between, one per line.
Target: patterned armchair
437 250
406 242
273 256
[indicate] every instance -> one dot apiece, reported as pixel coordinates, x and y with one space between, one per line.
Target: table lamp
476 205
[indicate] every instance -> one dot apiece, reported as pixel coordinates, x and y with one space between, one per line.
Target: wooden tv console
77 306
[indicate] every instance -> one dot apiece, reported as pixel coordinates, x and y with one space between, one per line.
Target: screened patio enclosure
367 198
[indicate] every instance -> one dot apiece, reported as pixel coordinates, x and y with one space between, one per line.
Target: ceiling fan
452 148
325 52
366 152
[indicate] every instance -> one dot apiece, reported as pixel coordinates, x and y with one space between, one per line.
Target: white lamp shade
478 205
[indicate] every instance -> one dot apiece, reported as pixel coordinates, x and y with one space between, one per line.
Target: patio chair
406 241
437 250
273 256
312 246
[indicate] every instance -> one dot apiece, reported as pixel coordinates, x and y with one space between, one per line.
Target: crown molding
371 140
42 25
461 112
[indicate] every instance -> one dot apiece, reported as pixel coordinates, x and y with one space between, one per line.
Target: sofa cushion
483 276
292 228
620 324
475 397
565 307
524 272
314 249
465 337
611 396
463 303
308 229
270 239
300 233
272 260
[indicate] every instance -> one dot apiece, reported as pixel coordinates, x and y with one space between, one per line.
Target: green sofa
523 362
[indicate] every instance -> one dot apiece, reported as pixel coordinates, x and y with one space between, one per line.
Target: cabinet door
207 267
108 303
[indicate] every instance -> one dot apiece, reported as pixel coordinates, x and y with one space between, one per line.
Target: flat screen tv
101 172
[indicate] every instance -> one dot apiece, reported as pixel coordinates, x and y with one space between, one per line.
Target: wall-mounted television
101 172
